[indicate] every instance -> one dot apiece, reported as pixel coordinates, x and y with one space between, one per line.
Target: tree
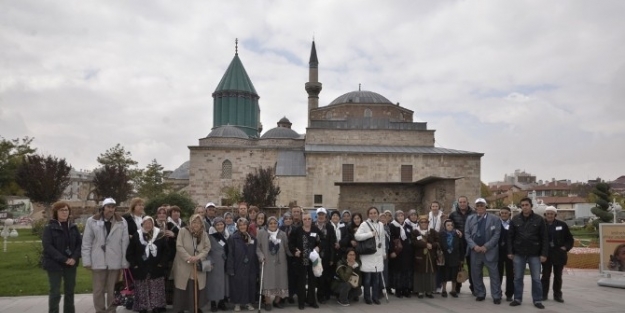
118 156
182 200
601 192
151 181
233 195
484 190
43 179
112 181
12 153
259 188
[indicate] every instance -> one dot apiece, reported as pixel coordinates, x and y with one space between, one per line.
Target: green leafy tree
232 195
484 190
601 193
151 182
12 153
112 181
182 200
43 179
118 156
259 188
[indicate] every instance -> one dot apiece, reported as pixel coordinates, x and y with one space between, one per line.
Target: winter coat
454 257
403 260
56 245
275 276
326 243
419 242
296 242
183 271
217 280
528 236
132 226
171 242
344 272
242 267
561 237
503 240
153 265
372 262
459 222
101 252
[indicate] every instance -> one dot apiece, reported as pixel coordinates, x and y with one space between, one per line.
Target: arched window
226 170
368 113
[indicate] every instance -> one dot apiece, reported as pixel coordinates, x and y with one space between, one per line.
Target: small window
318 199
348 172
368 113
406 173
226 170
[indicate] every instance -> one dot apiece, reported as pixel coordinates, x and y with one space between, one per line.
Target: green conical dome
235 101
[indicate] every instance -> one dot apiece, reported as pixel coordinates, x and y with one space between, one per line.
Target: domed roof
228 131
284 120
361 96
280 132
182 172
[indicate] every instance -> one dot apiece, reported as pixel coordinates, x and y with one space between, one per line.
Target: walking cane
260 292
195 300
383 284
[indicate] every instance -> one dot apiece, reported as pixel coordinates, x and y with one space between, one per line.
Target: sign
612 242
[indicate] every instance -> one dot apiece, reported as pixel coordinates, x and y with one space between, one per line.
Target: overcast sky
537 86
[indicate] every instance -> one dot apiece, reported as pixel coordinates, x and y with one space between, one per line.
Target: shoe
214 308
515 303
342 303
509 299
539 305
399 294
322 300
250 307
314 305
301 306
429 295
454 294
389 291
278 304
221 305
268 307
376 301
497 301
480 298
407 293
559 299
438 290
355 299
367 301
444 294
237 308
419 295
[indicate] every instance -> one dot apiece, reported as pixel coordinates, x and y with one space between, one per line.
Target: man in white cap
560 242
327 239
482 232
104 246
211 213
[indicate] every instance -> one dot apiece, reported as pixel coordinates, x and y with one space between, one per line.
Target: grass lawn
25 234
22 277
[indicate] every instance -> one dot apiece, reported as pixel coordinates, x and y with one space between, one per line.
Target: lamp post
8 232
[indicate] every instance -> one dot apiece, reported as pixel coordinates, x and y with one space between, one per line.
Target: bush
37 260
183 200
38 227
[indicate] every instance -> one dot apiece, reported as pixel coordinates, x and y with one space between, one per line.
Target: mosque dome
228 131
280 132
361 96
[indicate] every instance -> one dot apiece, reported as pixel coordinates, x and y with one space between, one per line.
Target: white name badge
251 242
492 228
419 238
222 243
506 227
313 234
341 225
279 240
558 227
407 230
100 223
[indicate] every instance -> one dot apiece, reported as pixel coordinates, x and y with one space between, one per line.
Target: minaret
313 86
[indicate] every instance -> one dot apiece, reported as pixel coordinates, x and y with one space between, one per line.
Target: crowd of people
234 261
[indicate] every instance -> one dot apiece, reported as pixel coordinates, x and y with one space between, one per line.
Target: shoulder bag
367 246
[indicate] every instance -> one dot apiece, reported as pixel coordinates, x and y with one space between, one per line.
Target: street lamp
8 232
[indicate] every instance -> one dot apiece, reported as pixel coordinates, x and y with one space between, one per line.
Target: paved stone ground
581 294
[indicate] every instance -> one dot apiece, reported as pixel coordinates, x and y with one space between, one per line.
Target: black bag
367 246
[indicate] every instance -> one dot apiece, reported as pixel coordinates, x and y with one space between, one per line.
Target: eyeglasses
63 210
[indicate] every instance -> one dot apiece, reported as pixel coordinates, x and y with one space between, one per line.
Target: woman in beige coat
192 247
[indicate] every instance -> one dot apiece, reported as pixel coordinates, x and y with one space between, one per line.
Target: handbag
367 246
206 265
462 274
397 246
124 292
353 280
440 257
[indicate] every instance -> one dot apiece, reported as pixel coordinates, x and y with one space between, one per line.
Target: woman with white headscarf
273 248
148 256
217 280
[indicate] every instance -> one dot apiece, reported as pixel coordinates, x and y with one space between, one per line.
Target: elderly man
482 232
560 242
528 244
104 245
211 213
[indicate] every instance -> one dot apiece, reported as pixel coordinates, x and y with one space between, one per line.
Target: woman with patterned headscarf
147 255
192 246
273 249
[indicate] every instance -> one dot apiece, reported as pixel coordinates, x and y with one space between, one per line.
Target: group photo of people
246 259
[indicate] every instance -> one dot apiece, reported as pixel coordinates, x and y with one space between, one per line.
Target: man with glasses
528 244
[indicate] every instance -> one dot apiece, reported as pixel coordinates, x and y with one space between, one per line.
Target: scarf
177 225
150 247
434 221
402 231
274 245
424 232
337 231
450 240
225 233
414 226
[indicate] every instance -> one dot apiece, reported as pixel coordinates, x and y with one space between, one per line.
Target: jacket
560 237
425 262
528 235
183 271
344 272
372 262
492 230
101 252
153 265
296 242
326 243
460 221
56 245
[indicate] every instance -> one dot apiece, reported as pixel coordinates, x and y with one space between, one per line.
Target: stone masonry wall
391 137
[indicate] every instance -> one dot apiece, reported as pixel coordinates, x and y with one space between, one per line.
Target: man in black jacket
560 242
504 262
528 244
459 216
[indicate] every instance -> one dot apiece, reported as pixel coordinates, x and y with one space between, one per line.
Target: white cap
551 208
481 200
210 204
322 210
108 201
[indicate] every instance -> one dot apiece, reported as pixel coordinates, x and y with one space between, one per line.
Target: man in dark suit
504 262
482 232
560 242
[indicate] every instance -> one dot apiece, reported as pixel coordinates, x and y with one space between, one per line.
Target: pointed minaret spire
313 86
236 46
